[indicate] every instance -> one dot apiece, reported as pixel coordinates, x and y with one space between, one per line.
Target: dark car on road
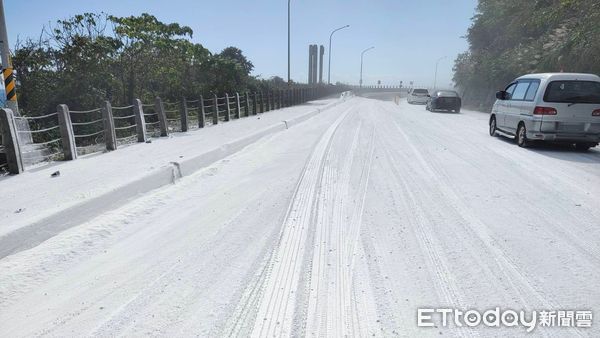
446 100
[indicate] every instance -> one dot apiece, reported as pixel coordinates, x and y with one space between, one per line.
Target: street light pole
436 69
289 79
329 65
361 64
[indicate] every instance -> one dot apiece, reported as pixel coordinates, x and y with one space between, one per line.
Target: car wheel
458 111
493 126
522 136
582 146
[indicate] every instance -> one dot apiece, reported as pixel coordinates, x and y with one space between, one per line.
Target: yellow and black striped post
10 85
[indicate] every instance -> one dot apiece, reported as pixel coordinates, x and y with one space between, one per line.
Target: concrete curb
34 234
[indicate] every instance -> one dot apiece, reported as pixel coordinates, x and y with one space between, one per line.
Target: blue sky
408 35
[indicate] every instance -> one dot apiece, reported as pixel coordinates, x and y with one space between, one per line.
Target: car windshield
573 92
420 91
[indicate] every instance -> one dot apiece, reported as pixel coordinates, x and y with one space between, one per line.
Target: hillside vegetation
86 59
509 38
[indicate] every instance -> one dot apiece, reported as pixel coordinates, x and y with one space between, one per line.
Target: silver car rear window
573 92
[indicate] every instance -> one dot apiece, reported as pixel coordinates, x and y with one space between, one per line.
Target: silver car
418 96
555 107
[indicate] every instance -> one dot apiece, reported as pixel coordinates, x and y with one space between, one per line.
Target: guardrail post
201 113
237 100
268 101
273 100
162 117
215 109
255 104
272 104
66 132
279 98
247 104
292 96
140 120
10 141
228 116
183 111
262 102
110 136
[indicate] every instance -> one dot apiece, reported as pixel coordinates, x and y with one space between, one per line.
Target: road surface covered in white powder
343 225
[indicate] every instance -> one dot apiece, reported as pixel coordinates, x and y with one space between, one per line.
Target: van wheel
522 136
493 126
583 146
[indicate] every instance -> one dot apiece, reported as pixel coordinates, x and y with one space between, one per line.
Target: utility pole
7 70
361 64
329 65
289 79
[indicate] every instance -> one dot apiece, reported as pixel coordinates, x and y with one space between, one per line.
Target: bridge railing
45 133
66 134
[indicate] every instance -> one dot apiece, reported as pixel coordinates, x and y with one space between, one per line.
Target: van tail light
544 111
596 112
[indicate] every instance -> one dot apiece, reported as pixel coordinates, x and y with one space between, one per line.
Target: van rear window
447 93
573 92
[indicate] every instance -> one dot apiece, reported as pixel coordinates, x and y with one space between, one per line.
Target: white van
555 107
